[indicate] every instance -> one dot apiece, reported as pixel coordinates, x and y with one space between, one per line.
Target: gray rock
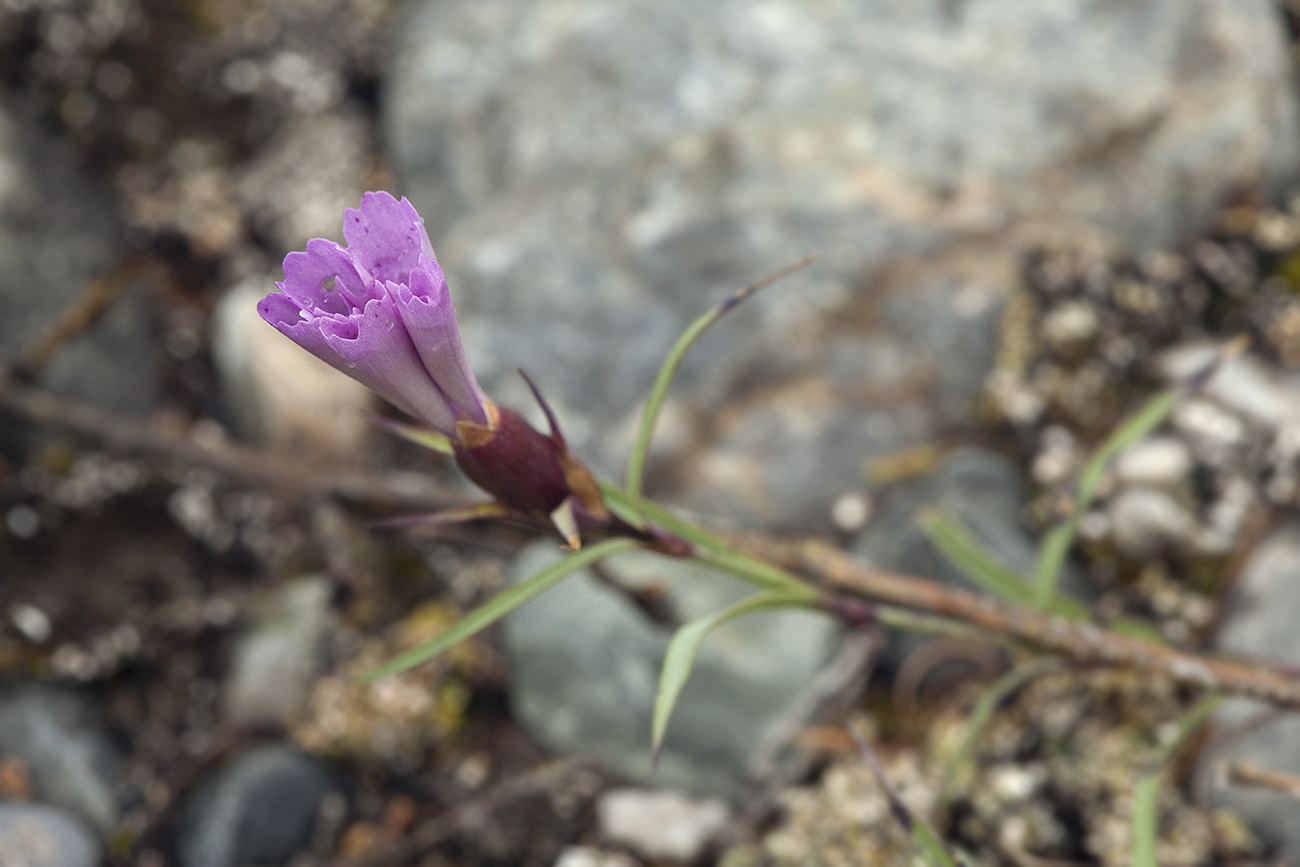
72 763
296 188
585 662
275 663
114 363
661 825
1146 521
1260 622
595 176
261 808
32 835
58 233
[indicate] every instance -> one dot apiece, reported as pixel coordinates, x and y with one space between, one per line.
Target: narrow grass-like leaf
960 547
634 509
927 843
711 549
989 701
500 605
963 549
1146 795
680 658
754 571
1056 545
430 439
664 379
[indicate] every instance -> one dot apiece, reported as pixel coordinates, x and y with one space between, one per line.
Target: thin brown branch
1246 774
170 438
1080 641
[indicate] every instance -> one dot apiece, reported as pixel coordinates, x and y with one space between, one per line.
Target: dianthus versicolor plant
379 309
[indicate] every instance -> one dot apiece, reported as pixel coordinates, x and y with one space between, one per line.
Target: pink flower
379 310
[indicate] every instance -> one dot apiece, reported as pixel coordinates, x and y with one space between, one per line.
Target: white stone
1157 462
851 511
275 663
661 824
585 856
1144 520
1242 384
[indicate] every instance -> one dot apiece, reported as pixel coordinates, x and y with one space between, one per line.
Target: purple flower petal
379 310
386 237
326 279
427 312
289 319
376 350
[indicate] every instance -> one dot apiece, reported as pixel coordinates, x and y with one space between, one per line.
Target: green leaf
502 604
989 701
1056 545
712 550
963 549
1146 795
634 509
960 547
680 658
430 439
673 361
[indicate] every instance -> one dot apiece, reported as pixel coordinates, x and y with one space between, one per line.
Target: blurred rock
275 663
275 392
1146 521
585 661
32 835
260 808
661 825
58 736
585 856
114 363
1243 384
612 171
297 187
58 234
1260 622
1157 461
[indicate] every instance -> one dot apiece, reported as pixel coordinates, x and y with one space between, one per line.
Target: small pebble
661 824
1144 520
33 835
1069 324
1156 462
585 856
851 512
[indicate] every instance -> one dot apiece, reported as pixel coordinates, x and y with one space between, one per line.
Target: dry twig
1083 642
168 438
1246 774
